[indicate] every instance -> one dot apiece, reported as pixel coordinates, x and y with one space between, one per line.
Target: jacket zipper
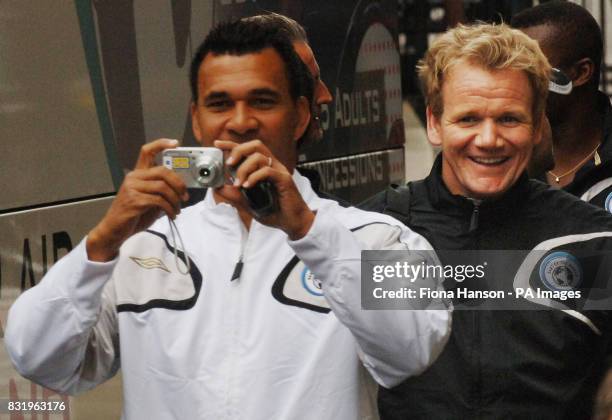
240 264
476 323
238 268
475 214
234 379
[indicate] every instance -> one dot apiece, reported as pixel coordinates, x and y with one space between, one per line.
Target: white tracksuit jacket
199 346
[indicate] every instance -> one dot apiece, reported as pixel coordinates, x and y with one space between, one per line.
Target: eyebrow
215 95
265 92
469 109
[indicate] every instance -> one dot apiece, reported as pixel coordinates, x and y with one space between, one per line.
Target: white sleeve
63 332
395 344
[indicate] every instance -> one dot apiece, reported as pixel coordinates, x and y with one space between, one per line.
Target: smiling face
322 95
486 129
246 97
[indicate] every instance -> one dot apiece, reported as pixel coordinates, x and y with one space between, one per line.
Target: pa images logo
561 271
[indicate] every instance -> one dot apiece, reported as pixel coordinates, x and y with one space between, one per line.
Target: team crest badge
311 283
608 204
561 271
296 285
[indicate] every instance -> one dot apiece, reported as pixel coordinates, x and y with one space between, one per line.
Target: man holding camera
229 320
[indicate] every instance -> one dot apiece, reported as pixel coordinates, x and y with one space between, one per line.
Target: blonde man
486 89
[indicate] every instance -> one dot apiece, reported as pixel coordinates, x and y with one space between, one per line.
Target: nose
488 137
241 123
322 94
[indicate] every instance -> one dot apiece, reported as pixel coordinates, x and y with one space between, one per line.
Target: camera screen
180 162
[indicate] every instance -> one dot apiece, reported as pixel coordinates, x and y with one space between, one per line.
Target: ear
433 129
303 117
584 71
195 125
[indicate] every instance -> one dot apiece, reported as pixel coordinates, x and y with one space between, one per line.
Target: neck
575 140
245 218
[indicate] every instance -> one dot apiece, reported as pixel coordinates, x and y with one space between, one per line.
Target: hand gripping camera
202 167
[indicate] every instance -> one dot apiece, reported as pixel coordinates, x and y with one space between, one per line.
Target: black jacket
542 364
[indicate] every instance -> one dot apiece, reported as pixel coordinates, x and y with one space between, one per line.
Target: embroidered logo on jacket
296 285
608 204
151 283
311 283
150 263
561 271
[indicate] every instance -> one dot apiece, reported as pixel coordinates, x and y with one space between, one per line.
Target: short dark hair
293 30
578 31
242 37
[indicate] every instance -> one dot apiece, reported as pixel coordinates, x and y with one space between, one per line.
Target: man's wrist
302 229
99 249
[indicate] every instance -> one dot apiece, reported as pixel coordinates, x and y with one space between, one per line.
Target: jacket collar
442 199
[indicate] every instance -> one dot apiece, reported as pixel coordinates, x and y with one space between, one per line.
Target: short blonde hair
494 47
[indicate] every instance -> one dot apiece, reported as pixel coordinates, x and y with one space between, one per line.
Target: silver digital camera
202 167
199 167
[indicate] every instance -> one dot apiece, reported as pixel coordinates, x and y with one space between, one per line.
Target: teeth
488 160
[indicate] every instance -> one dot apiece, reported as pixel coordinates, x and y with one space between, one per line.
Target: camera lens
206 173
208 170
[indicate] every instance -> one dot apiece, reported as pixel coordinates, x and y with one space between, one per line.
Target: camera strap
176 258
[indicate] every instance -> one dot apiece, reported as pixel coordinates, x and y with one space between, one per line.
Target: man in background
321 95
543 158
580 115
